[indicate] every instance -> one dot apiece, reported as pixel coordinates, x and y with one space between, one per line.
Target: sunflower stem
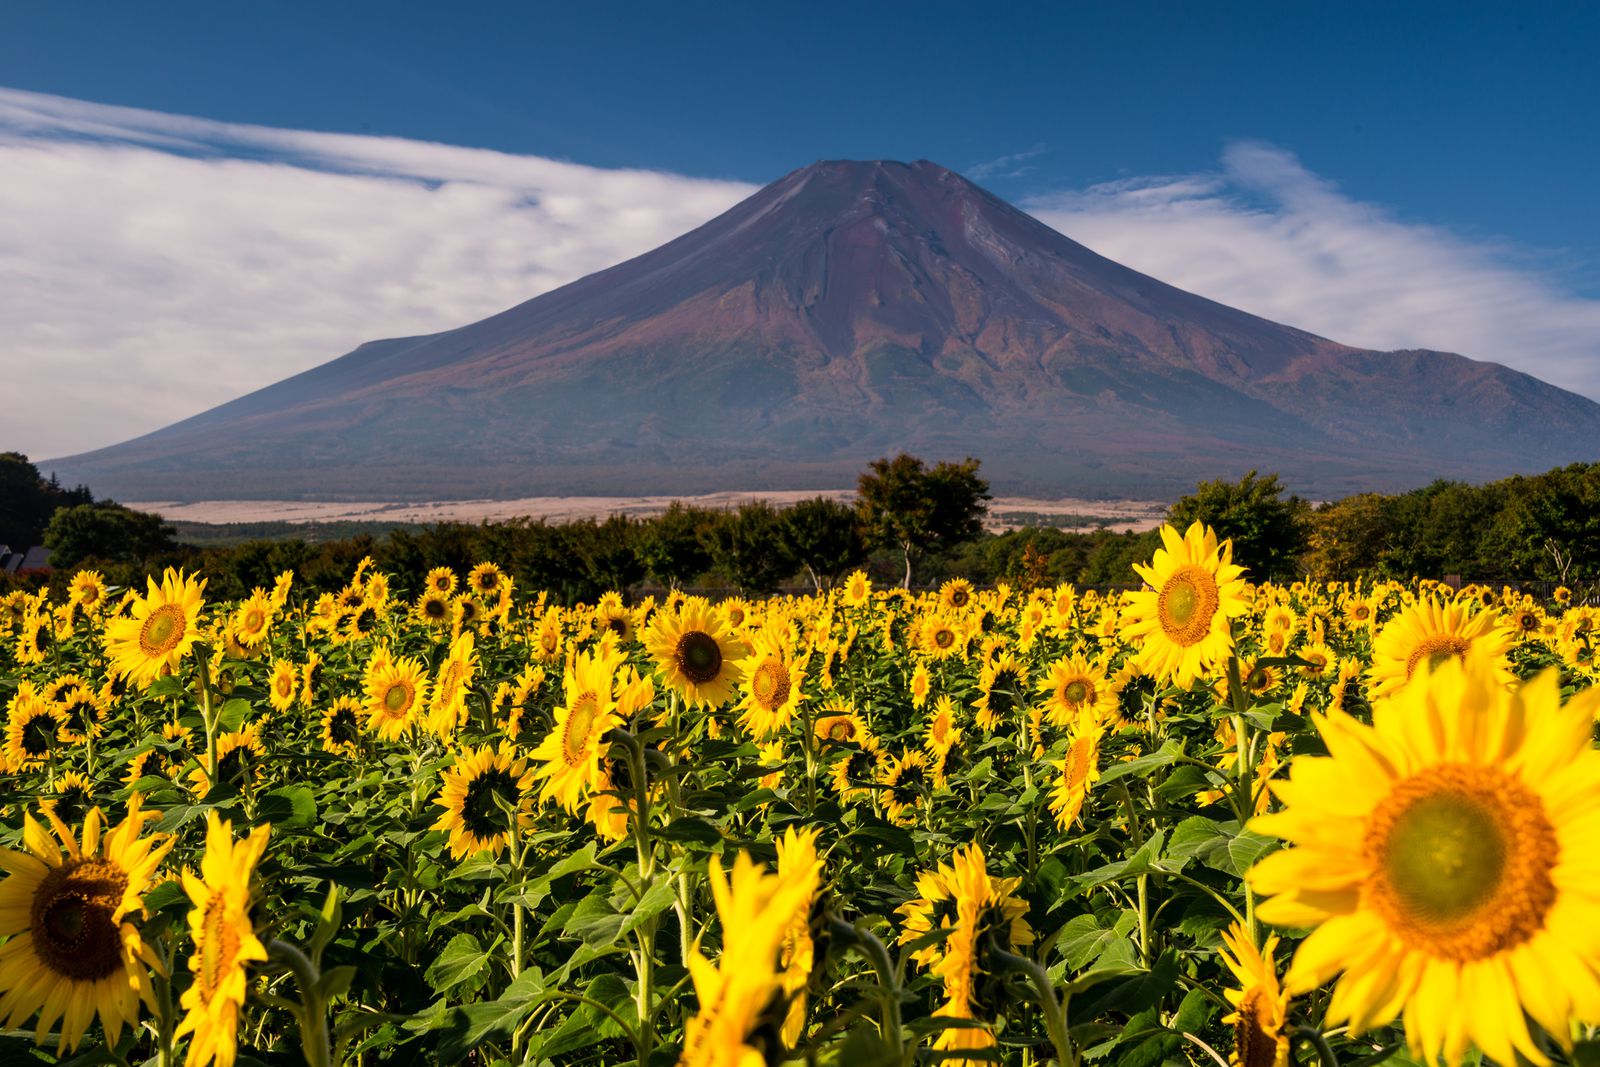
1055 1011
313 1013
873 949
203 678
1318 1041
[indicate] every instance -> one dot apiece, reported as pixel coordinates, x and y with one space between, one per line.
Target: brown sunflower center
1187 603
73 932
944 637
254 620
580 722
1077 691
397 698
1255 1032
218 948
1461 857
770 684
959 598
1436 649
698 657
162 630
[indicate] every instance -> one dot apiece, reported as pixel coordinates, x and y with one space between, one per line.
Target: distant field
221 520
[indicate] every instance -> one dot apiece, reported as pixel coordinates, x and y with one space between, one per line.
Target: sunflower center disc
1436 649
1076 691
72 929
1186 604
579 722
771 684
699 657
218 948
1253 1036
397 699
1461 857
162 630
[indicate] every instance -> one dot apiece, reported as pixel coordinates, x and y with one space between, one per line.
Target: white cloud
1015 165
1268 236
153 266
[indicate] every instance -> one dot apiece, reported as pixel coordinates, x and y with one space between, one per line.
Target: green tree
1349 537
824 537
108 532
670 546
907 506
27 501
1268 531
746 548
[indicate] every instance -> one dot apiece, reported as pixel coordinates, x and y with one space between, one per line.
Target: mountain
847 311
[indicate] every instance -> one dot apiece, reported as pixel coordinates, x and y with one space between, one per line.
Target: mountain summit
846 311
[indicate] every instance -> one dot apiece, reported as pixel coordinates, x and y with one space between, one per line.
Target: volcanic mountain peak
847 310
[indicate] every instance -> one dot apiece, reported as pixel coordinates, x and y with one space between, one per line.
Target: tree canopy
921 511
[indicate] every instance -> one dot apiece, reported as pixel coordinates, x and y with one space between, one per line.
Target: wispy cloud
152 266
1015 165
1264 234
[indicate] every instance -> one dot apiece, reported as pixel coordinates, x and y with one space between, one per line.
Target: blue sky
1392 175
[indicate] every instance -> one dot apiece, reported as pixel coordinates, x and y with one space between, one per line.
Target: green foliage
671 546
27 501
903 504
1267 530
824 537
746 547
105 531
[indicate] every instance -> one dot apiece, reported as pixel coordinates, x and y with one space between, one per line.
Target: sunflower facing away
1180 624
797 860
571 752
160 630
224 941
1001 686
471 796
988 915
1448 857
70 951
1260 1006
696 653
1432 631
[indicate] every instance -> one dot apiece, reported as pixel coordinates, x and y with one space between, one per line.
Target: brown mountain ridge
846 311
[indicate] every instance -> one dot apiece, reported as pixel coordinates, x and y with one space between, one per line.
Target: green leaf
691 830
588 1025
1141 862
1143 765
462 959
291 807
234 714
656 899
1245 849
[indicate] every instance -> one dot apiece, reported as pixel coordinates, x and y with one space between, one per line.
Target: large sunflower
1180 624
571 752
696 653
70 952
160 630
1260 1006
224 941
471 796
772 686
395 692
1432 631
1449 858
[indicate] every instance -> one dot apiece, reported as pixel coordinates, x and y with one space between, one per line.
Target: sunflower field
1203 822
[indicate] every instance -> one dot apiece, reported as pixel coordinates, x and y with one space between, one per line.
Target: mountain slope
845 311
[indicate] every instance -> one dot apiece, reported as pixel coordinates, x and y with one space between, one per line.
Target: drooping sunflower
906 781
70 797
1080 769
1074 687
1180 624
395 693
224 941
989 916
1432 631
447 699
161 628
283 685
571 752
1001 685
1445 856
1260 1006
70 952
696 653
342 726
472 792
239 752
771 686
743 1002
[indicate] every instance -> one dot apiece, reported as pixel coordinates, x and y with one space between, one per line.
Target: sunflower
440 580
280 588
955 594
1445 856
485 580
252 621
342 725
1260 680
736 610
1076 686
69 951
771 685
162 628
696 654
34 638
798 862
743 1001
472 793
933 909
1180 624
1431 631
70 797
859 770
1319 660
1001 685
34 728
571 752
395 692
1260 1007
238 753
87 590
283 685
610 614
447 699
433 608
1080 769
943 733
988 917
906 781
939 636
857 589
82 708
549 641
224 941
839 723
613 800
921 686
